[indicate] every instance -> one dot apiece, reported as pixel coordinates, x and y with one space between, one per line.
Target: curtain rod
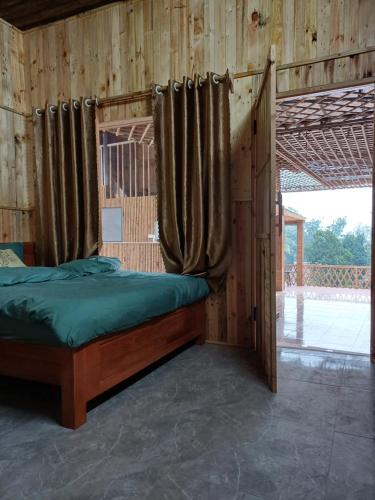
12 110
142 94
76 104
136 96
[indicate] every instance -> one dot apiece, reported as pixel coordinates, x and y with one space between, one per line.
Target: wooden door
263 227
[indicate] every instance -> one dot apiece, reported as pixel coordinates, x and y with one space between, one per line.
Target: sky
354 204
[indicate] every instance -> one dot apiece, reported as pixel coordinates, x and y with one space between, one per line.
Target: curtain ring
96 101
88 102
38 112
200 81
158 89
52 109
76 104
176 86
65 106
190 84
215 79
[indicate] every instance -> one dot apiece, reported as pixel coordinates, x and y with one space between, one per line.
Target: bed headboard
25 251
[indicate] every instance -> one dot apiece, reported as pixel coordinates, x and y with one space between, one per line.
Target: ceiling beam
287 156
348 123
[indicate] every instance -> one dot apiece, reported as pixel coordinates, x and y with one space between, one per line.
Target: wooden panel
16 225
16 166
263 230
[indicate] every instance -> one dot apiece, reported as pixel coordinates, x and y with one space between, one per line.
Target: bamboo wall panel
125 46
16 166
143 257
139 216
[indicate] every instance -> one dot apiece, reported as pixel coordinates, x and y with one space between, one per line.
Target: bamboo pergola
127 158
325 140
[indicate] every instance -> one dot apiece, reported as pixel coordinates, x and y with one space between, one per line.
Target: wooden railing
330 276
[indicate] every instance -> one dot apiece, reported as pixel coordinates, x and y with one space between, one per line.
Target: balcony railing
330 276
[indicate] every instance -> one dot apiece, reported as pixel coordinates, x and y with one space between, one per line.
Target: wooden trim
227 344
13 110
103 125
307 62
325 87
18 209
92 369
145 93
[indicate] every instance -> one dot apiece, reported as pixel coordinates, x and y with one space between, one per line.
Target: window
128 194
112 224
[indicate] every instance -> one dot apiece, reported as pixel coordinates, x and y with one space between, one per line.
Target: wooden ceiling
30 13
325 140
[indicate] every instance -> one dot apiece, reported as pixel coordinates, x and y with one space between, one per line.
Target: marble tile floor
201 426
333 319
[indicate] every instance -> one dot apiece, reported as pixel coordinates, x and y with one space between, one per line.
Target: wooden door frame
338 86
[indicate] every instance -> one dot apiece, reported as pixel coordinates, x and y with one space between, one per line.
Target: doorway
324 161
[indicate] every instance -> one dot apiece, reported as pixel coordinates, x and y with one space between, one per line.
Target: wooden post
300 253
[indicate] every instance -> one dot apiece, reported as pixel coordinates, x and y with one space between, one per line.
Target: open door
263 202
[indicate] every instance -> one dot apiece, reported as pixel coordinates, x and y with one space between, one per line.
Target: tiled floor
335 319
201 427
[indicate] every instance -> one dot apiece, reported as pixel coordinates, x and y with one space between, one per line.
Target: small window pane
112 224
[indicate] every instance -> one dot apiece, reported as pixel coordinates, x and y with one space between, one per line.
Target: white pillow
9 259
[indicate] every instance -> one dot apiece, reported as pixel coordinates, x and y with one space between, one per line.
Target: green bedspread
87 301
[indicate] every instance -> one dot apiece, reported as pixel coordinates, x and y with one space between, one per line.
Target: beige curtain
67 182
192 137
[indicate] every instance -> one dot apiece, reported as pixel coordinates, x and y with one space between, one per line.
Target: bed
52 331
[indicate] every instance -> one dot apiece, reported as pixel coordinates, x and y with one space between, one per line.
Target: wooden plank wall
127 45
16 168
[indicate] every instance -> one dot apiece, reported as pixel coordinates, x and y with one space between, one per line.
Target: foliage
330 245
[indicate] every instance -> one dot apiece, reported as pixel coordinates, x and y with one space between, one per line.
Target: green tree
311 227
330 245
337 227
358 243
327 248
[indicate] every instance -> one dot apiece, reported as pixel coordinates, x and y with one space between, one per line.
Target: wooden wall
16 169
125 46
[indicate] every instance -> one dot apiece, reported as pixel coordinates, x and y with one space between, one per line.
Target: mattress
72 307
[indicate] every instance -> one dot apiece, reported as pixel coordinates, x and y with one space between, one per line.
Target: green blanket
82 302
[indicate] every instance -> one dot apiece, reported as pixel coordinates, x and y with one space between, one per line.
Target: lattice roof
141 131
325 140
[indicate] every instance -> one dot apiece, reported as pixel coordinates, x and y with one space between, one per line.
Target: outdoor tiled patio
335 319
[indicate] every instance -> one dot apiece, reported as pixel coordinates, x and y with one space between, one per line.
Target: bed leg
201 319
73 402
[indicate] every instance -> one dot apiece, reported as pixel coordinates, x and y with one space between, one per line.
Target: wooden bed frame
89 370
